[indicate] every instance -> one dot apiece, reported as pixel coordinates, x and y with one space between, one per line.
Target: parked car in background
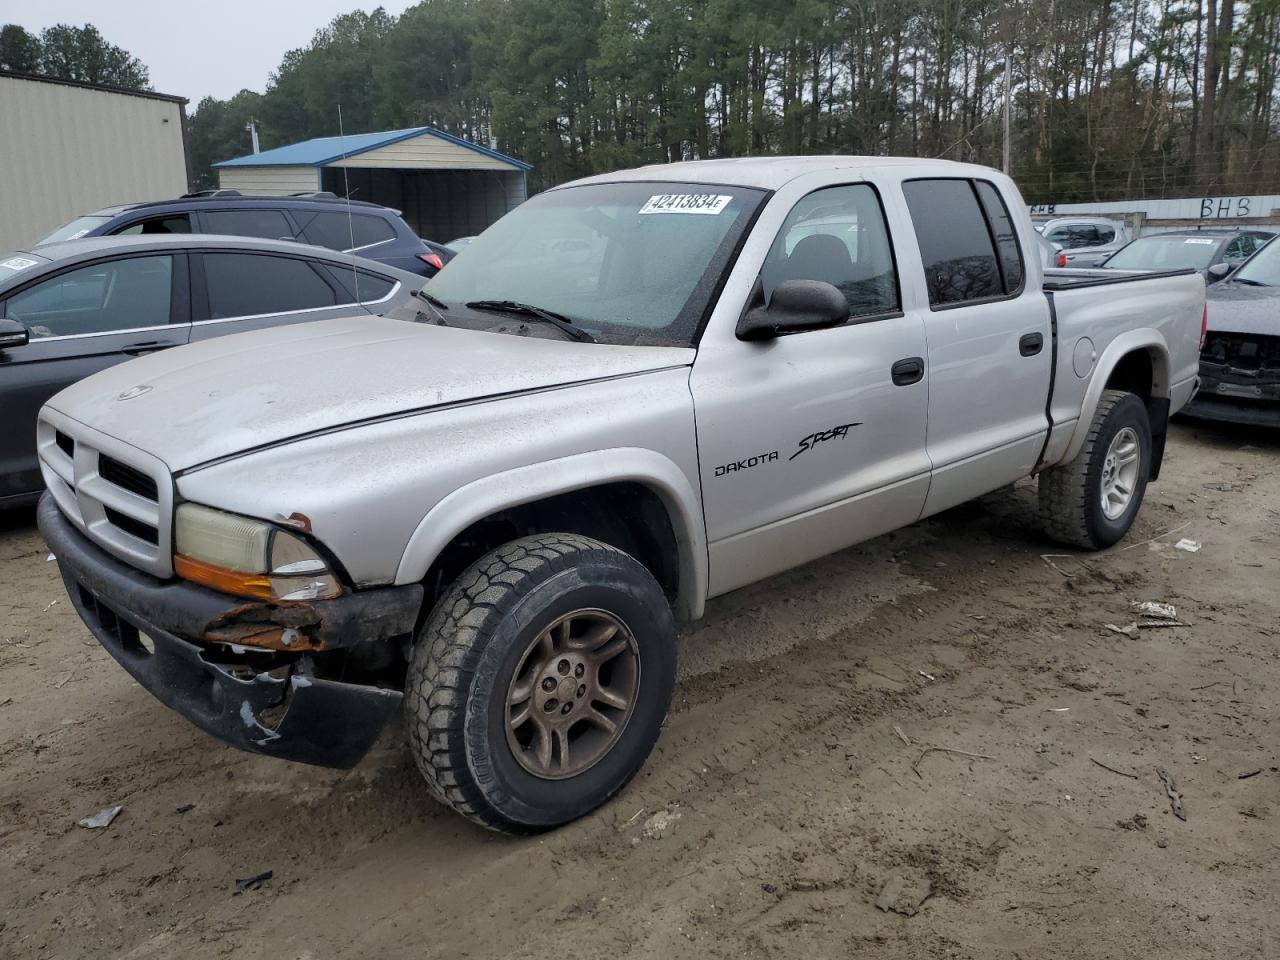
1087 241
1214 253
1240 360
324 219
71 309
493 509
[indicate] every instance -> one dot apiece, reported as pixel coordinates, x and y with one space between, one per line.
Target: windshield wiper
1252 283
435 304
557 320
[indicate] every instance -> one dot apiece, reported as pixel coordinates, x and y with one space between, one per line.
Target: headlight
247 557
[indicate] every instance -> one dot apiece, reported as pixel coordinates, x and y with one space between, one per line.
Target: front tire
1092 501
539 684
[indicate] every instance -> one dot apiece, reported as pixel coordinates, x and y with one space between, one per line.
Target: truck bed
1073 279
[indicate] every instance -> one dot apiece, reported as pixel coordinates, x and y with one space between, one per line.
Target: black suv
322 218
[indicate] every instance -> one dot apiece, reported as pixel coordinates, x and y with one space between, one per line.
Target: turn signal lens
432 260
247 557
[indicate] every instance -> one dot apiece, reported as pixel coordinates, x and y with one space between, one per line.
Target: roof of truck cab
770 173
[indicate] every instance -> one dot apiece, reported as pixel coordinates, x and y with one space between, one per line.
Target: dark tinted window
333 230
959 260
837 235
1005 235
171 224
370 286
117 295
270 224
1106 234
246 284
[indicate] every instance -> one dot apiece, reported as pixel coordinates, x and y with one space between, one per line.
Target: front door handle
1030 344
146 346
908 371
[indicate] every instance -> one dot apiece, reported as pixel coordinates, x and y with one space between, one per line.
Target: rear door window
179 223
247 284
100 298
357 285
959 256
268 224
339 231
1004 234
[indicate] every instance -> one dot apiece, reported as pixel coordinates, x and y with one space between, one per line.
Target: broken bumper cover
321 721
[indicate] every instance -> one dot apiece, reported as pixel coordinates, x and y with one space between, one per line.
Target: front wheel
1092 501
539 684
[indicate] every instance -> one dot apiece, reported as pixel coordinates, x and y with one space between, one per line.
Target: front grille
1243 355
135 528
118 496
123 475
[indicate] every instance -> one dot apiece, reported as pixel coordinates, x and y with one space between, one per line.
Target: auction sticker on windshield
19 263
1194 240
686 203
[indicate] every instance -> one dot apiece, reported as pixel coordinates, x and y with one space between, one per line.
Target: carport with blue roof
444 186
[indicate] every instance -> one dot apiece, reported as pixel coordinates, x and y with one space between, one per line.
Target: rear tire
539 684
1092 501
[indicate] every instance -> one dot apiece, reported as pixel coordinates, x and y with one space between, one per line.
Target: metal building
69 148
444 186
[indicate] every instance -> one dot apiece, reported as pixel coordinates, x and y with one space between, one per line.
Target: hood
225 396
1240 308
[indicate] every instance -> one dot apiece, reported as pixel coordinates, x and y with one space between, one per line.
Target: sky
195 50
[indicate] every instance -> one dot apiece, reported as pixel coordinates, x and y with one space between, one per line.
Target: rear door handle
1030 344
908 371
146 346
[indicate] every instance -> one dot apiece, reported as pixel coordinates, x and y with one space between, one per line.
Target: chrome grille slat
115 515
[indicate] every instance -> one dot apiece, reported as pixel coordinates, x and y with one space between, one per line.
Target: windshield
626 262
1166 253
1263 268
74 230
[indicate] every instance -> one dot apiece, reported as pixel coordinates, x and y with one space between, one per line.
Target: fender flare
1146 339
512 488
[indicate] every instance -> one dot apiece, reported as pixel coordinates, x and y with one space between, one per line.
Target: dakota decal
746 464
822 436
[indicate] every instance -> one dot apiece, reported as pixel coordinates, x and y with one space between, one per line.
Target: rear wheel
1092 501
539 684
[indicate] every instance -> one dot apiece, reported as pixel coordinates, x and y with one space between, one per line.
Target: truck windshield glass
76 229
1166 253
627 262
1263 269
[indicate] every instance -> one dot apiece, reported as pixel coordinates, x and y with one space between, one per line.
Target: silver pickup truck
633 393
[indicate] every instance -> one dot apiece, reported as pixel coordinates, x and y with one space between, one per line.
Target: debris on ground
102 818
1137 822
252 883
1225 486
1131 776
50 557
184 808
1171 789
904 896
1130 631
928 676
1155 609
660 824
1190 546
1251 773
49 606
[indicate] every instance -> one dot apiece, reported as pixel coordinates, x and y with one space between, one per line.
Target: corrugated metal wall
67 151
276 181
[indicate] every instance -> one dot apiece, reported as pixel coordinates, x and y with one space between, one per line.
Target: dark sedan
71 309
1215 253
1240 362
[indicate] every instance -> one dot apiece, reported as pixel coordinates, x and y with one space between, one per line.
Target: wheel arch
666 518
1137 362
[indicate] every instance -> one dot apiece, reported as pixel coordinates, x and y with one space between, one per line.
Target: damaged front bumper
1239 380
194 662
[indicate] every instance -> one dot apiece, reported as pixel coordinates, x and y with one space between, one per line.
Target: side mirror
797 305
12 334
1218 271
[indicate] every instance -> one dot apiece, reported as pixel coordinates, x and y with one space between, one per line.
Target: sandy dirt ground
793 787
